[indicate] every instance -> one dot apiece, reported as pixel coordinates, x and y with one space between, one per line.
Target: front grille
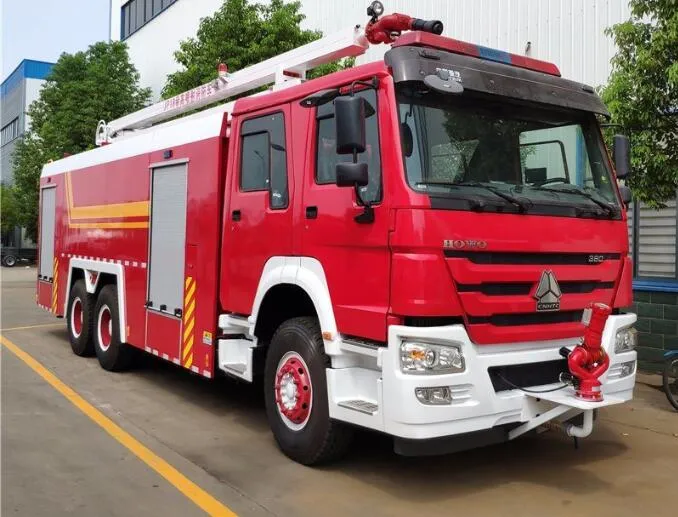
492 257
532 318
526 375
432 321
523 288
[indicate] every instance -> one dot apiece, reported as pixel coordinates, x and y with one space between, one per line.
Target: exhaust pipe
585 429
573 430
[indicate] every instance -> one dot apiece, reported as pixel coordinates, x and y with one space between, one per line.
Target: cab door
354 256
258 217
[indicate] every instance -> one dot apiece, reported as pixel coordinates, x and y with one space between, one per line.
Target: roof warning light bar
424 39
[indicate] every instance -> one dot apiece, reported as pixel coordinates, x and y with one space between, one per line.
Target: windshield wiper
609 209
519 203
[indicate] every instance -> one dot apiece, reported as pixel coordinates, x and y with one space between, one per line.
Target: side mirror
349 118
626 195
622 156
352 174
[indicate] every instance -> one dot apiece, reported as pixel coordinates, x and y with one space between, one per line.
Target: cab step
363 406
237 368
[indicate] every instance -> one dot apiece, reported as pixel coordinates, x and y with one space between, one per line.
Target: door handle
311 212
236 215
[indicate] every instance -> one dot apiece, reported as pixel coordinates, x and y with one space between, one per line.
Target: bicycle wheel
671 380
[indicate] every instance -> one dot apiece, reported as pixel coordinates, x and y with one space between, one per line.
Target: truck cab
460 215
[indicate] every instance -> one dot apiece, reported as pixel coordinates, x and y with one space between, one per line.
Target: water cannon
386 29
588 361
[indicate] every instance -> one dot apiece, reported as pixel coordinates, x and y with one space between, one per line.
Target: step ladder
281 71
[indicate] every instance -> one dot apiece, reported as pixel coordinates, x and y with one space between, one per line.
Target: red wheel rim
105 328
77 317
293 391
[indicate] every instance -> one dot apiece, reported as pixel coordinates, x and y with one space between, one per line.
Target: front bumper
475 404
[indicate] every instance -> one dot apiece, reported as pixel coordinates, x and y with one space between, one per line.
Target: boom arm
276 71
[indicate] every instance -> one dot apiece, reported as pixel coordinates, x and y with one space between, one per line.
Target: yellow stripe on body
188 322
108 211
55 285
188 346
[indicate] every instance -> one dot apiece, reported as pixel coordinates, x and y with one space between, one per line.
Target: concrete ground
56 461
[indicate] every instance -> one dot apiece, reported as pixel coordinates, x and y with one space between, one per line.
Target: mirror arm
367 215
373 84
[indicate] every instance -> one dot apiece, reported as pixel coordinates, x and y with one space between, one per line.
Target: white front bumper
476 406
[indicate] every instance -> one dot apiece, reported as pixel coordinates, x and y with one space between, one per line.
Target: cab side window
326 153
263 158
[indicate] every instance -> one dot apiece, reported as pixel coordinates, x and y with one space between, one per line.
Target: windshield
493 154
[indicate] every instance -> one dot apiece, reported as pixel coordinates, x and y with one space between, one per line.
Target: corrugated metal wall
568 32
656 253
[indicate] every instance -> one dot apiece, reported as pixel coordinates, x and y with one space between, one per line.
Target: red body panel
261 233
390 270
431 288
100 216
355 257
164 335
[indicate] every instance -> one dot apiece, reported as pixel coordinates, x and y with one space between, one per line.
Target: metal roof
27 69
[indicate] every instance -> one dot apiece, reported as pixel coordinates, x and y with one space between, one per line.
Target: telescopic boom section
277 71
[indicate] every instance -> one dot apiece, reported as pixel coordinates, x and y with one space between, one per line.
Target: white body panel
200 126
364 376
475 405
100 266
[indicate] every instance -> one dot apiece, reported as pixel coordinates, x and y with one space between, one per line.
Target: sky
43 29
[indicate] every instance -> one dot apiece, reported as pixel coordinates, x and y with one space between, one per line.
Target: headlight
422 358
626 340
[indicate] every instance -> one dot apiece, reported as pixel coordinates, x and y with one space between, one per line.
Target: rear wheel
9 260
670 380
80 319
296 395
113 354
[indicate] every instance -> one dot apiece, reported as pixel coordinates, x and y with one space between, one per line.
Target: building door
258 220
165 298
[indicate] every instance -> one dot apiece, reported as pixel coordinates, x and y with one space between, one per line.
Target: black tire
113 354
670 380
82 343
9 261
320 440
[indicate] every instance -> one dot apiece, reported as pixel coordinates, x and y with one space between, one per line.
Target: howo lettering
413 246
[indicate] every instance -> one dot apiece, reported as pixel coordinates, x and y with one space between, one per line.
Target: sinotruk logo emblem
548 293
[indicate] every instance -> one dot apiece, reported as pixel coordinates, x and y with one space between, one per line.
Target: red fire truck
411 245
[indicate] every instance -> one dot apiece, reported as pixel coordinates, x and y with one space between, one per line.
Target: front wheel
670 379
9 260
295 387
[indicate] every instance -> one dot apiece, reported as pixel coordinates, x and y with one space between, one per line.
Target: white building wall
152 47
32 93
569 33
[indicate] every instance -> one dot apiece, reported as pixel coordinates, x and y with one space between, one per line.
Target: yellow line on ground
58 324
192 491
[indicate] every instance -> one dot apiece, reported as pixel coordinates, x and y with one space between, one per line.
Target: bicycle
670 377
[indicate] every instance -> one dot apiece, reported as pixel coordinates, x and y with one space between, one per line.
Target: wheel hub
293 394
105 328
77 318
